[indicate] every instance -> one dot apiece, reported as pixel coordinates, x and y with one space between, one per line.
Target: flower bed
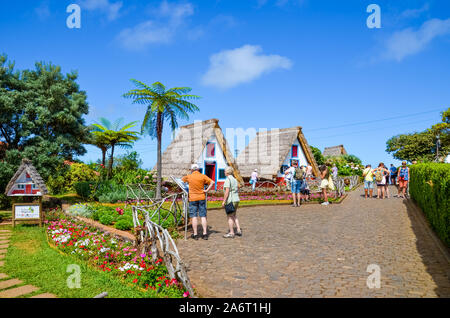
110 255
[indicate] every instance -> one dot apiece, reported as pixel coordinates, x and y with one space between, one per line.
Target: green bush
84 189
106 219
430 188
83 210
5 202
124 223
66 177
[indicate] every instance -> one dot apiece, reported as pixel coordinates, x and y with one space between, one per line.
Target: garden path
320 251
11 287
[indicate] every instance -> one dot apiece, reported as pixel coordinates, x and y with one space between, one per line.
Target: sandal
239 233
228 235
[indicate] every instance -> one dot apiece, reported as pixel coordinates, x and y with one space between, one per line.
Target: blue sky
255 63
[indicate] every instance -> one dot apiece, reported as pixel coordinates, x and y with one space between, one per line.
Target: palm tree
112 135
162 104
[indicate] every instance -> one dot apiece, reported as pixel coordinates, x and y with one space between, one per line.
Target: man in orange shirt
197 199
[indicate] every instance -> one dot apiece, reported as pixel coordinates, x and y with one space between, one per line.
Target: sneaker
228 235
205 237
239 233
195 237
325 203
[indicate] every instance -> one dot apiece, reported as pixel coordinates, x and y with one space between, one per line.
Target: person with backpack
380 174
403 179
296 183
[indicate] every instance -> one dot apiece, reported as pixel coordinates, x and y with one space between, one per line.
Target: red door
210 171
28 189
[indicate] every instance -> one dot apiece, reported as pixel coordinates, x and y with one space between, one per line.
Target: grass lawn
70 198
33 261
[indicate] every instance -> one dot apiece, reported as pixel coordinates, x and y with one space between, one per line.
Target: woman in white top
231 196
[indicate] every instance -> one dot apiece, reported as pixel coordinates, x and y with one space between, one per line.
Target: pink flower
186 294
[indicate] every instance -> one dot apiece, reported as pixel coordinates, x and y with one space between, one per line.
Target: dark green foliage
430 188
41 118
84 189
106 219
318 155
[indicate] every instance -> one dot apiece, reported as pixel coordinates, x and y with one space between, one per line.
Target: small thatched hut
202 143
271 152
26 182
334 151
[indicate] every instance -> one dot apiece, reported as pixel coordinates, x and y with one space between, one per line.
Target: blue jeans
197 208
296 186
368 184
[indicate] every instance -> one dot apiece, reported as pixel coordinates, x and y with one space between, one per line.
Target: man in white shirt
254 178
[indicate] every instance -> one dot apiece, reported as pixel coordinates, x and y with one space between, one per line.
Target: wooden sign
29 212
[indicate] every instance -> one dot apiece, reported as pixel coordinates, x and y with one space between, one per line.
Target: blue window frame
222 174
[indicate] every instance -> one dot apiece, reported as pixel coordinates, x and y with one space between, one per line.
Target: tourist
288 174
197 199
334 171
393 171
231 197
254 178
386 185
403 179
380 178
296 183
368 181
309 171
326 183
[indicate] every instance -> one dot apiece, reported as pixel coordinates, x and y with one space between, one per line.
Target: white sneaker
325 203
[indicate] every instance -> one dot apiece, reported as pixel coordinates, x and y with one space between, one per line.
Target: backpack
379 176
299 174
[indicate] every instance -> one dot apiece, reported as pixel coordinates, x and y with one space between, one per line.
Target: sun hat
194 166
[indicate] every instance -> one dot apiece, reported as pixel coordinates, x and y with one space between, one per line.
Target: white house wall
301 157
219 158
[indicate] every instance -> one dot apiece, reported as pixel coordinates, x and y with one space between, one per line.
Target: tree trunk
103 156
158 161
111 162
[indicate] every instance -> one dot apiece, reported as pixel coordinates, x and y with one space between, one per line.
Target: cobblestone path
320 251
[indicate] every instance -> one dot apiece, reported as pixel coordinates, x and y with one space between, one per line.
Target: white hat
195 167
256 170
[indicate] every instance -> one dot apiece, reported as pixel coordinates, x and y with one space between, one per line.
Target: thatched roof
188 146
334 151
35 176
268 150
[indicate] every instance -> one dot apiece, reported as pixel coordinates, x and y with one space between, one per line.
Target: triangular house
334 151
271 152
26 182
202 143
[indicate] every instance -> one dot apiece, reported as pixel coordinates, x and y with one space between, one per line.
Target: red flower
135 280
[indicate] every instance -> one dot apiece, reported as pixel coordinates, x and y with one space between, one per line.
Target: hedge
430 189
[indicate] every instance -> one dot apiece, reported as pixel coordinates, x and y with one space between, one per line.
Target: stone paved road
318 251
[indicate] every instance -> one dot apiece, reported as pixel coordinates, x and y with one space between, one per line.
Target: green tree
421 146
115 135
318 155
162 104
41 118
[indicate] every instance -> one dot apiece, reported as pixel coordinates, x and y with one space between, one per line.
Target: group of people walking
383 177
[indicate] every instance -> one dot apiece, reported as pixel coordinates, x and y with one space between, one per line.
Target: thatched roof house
26 181
334 151
202 143
271 152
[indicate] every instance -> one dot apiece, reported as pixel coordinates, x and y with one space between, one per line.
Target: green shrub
84 189
106 219
5 202
430 188
66 177
124 223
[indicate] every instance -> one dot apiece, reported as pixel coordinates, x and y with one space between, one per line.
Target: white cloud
409 41
110 8
414 13
162 30
229 68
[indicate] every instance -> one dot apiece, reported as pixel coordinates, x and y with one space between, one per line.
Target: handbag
229 208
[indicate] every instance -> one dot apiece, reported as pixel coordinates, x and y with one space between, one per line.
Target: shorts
324 184
402 183
296 185
197 209
368 184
